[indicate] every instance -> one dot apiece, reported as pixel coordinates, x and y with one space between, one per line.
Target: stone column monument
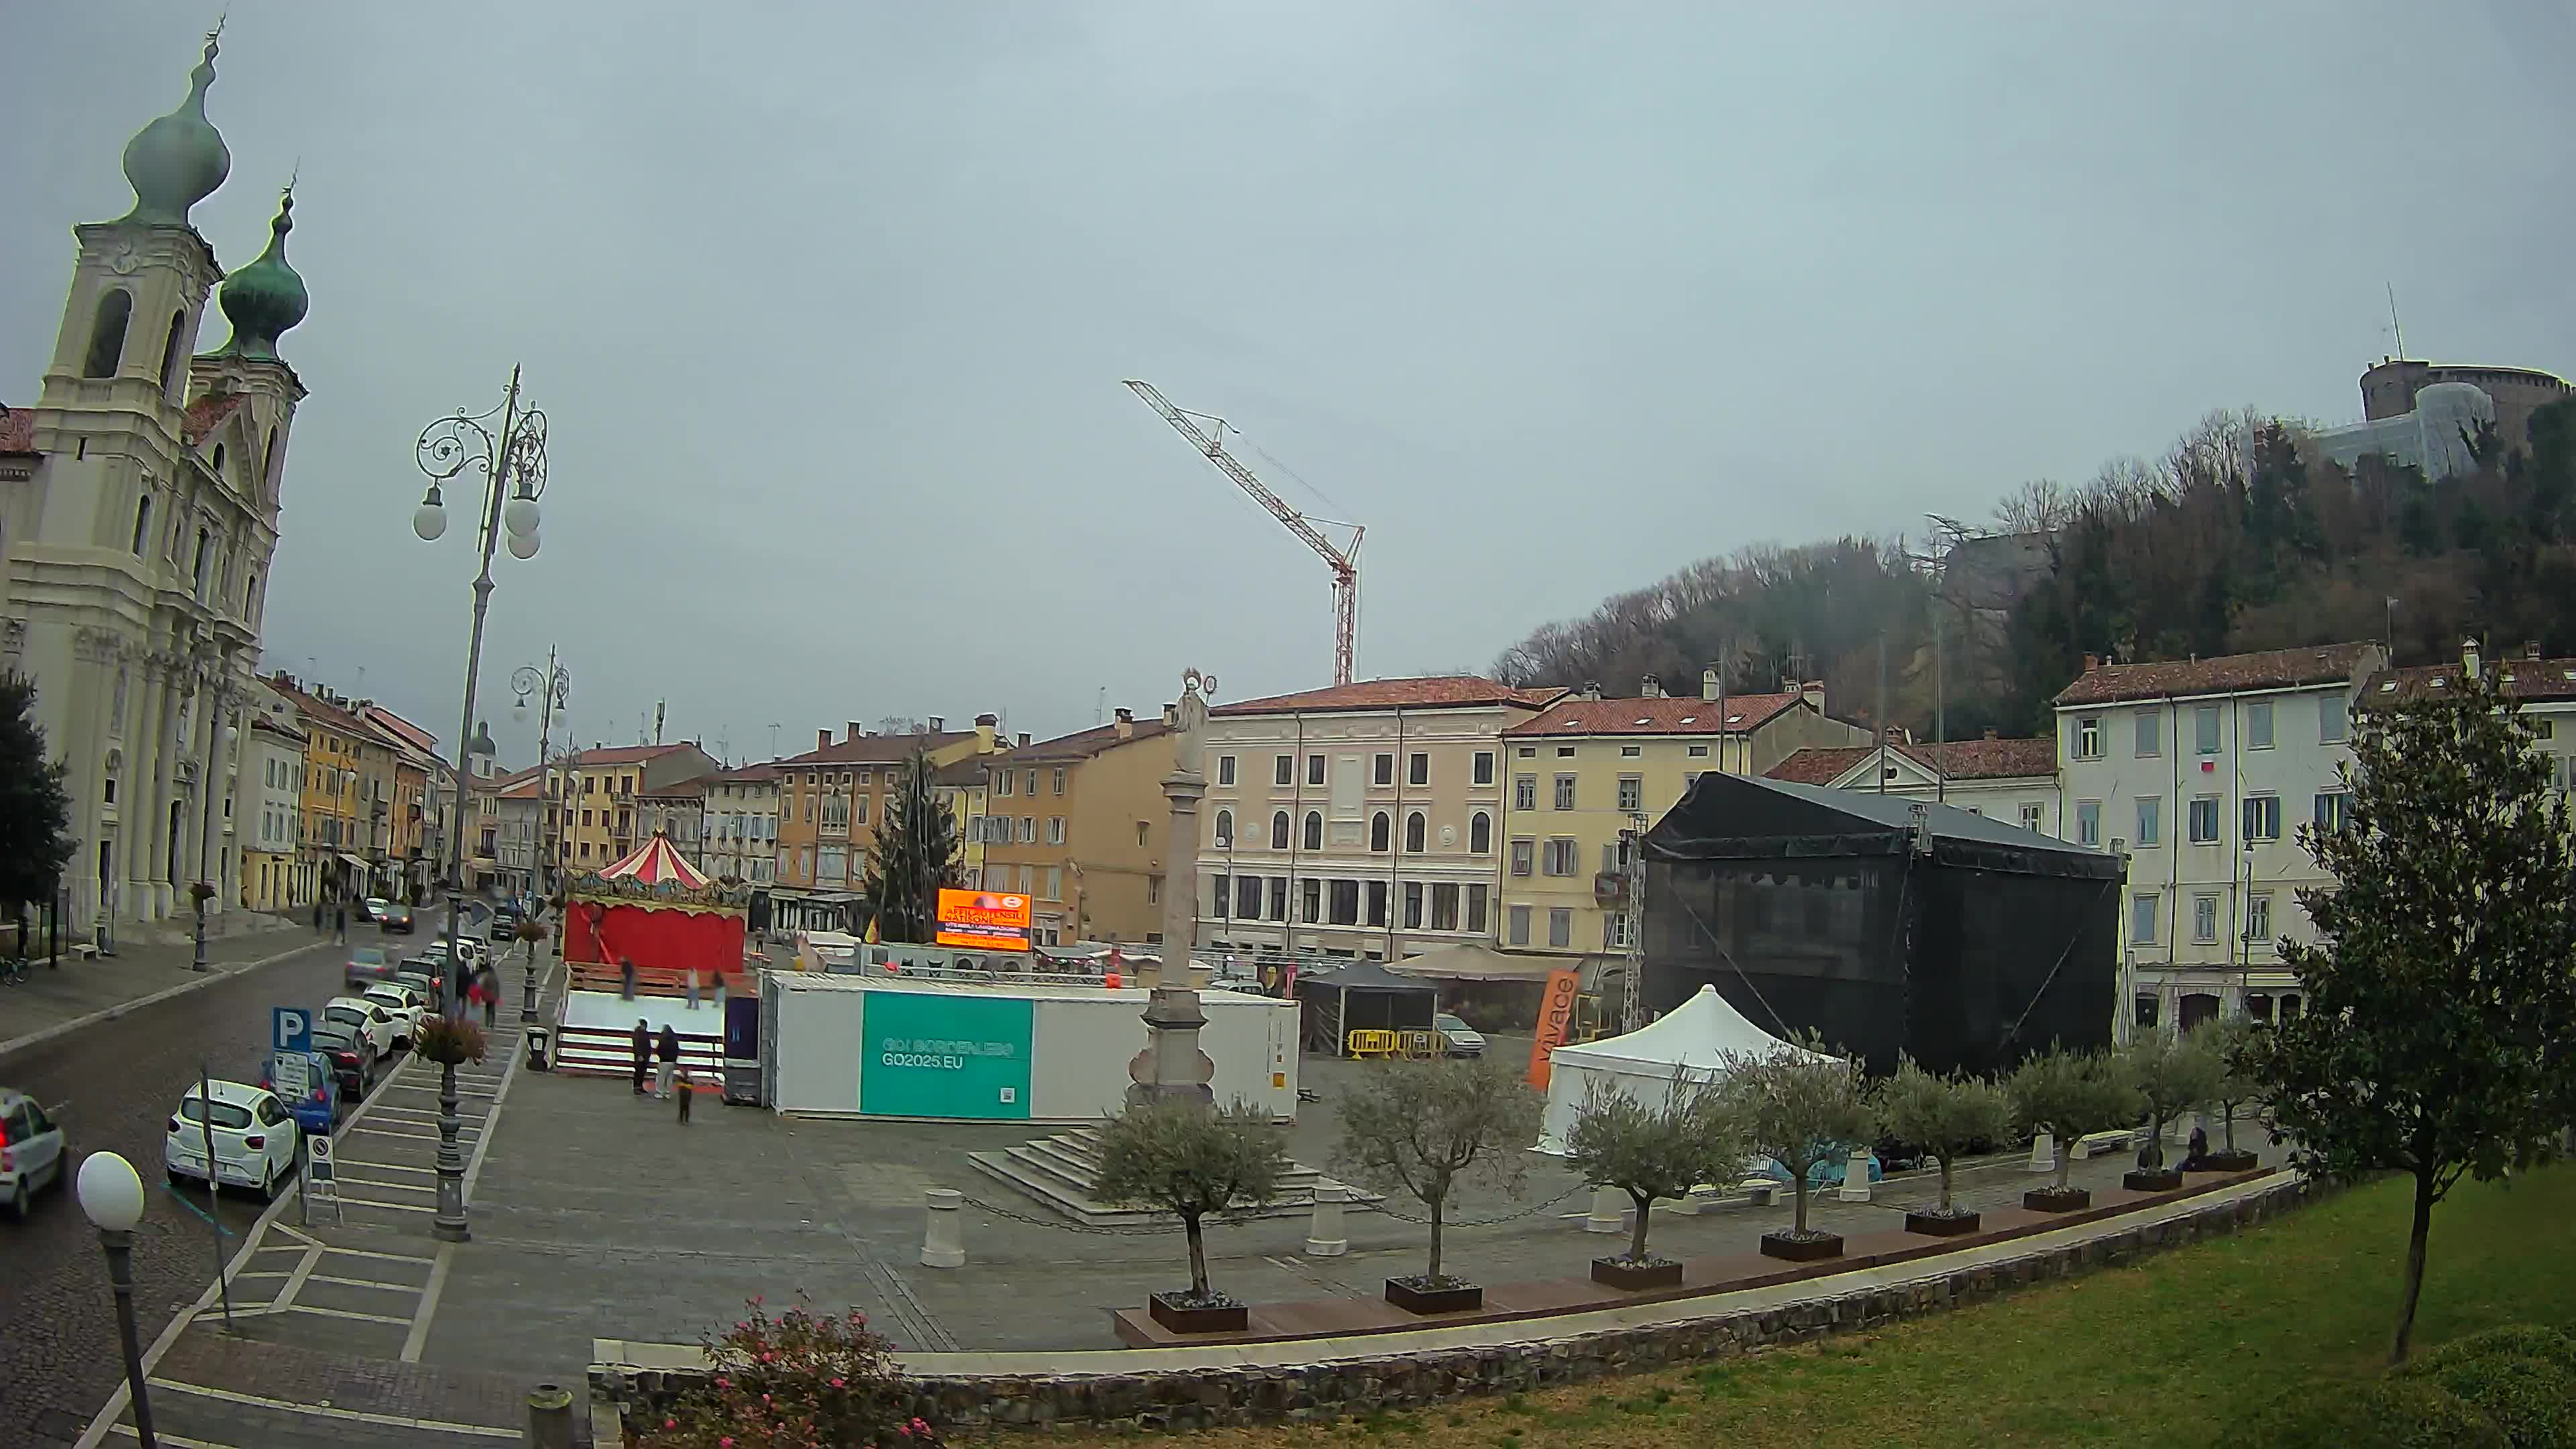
1171 1065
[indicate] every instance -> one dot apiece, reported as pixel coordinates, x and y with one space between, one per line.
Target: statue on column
1172 1065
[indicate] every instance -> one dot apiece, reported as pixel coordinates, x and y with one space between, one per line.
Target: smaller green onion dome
178 160
266 298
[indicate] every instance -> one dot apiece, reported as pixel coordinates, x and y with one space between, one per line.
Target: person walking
686 1092
643 1044
667 1048
488 981
626 970
317 915
341 936
693 990
475 1000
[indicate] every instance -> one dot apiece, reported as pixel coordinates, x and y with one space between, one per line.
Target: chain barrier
1530 1211
1147 1230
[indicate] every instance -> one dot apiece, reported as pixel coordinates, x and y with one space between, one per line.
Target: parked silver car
33 1155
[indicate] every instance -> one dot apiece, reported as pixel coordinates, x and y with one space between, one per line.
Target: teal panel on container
930 1054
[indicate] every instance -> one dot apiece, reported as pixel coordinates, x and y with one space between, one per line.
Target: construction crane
1345 562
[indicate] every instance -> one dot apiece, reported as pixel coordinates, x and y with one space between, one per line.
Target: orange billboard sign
983 920
1555 1019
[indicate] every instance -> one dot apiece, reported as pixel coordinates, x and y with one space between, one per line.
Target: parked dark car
353 1059
505 921
395 917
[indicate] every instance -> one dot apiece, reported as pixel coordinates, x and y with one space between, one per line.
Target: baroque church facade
139 505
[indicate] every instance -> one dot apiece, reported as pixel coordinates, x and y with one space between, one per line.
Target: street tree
2440 1002
1660 1151
1946 1117
1800 1106
917 854
2239 1043
2070 1094
1422 1127
2172 1072
35 810
1190 1160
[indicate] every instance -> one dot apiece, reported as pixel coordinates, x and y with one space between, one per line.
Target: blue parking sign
290 1029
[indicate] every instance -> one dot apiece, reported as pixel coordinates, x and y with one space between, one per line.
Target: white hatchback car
31 1151
368 1018
254 1139
404 1006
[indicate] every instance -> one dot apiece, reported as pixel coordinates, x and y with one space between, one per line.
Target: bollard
943 1244
1856 1175
2043 1152
1609 1211
1324 1235
549 1417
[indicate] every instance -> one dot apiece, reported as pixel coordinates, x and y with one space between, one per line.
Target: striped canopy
656 862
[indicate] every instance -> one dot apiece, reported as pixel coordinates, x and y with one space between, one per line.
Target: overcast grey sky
829 303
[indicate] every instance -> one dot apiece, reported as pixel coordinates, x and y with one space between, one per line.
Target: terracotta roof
2227 674
1661 715
1439 691
17 430
695 787
529 788
1958 760
263 722
392 723
876 749
966 773
321 710
1083 744
207 414
760 774
2521 678
623 754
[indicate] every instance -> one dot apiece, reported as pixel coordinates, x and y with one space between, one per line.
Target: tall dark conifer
916 854
35 811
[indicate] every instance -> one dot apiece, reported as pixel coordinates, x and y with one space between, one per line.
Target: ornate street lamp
553 685
111 1196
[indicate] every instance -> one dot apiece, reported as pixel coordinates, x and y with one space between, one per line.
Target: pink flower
764 1398
839 1384
670 1423
725 1443
766 1357
904 1429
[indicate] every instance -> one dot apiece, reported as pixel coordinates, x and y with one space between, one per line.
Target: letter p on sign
290 1029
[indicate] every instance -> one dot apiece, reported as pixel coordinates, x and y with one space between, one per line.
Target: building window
2032 816
2334 719
1247 898
1029 780
1480 833
1376 903
2088 822
1055 883
1417 769
2334 809
1225 769
1413 905
1002 785
1565 752
1444 905
1560 926
1525 792
1055 830
1382 769
142 523
1314 769
1413 833
1058 782
2151 734
1565 792
1279 830
1283 770
2258 725
2258 919
1516 932
2204 730
2204 919
2262 817
1484 770
2142 920
1379 832
1314 830
1028 830
107 333
2204 820
1632 794
1279 898
1224 828
2088 737
2151 820
1561 857
1312 904
1523 852
1614 932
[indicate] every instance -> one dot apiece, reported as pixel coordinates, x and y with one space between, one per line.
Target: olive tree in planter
1190 1160
2173 1073
2069 1094
1420 1127
1650 1152
1800 1106
1946 1117
2238 1044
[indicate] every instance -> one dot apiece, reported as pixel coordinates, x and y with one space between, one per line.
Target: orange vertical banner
1555 1018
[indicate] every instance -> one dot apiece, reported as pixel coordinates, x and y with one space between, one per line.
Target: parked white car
366 1017
403 1006
254 1139
32 1156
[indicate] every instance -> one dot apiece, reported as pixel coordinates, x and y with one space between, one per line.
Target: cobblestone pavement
76 987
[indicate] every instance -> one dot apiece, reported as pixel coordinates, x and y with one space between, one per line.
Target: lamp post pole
111 1197
554 686
517 455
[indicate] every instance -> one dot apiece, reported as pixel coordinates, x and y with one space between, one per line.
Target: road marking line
175 1441
389 1167
366 1283
379 1182
387 1257
427 1308
295 1283
399 1207
237 1277
338 1313
483 1141
325 1411
405 1136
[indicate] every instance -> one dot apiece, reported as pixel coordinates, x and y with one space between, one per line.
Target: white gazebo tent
1688 1041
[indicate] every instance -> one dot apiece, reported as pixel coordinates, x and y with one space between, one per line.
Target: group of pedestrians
335 915
671 1076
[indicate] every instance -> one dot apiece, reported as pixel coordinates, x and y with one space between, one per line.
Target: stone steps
1063 1173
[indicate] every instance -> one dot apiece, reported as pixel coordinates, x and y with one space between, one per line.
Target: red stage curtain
708 941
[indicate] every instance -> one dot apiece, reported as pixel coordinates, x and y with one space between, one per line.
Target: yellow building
1077 824
1585 769
599 786
832 798
963 789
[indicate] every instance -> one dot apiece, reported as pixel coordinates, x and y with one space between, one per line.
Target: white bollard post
1609 1212
2043 1152
943 1242
1324 1235
1856 1175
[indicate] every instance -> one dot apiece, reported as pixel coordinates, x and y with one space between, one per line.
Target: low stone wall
1202 1398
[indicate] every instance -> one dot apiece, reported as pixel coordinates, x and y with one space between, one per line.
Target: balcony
1610 887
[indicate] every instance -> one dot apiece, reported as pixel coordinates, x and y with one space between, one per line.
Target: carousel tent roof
656 862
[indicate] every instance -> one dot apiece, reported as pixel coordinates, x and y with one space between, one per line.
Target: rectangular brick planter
2050 1200
1797 1250
2239 1160
1933 1225
2162 1179
1665 1273
1459 1299
1188 1318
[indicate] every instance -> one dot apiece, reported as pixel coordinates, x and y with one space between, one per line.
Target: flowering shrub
798 1380
450 1041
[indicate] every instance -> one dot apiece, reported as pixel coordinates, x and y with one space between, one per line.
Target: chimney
1171 715
2469 656
985 726
1708 686
1990 734
1591 689
822 739
856 732
1024 739
1126 725
2531 649
1652 688
1813 692
939 724
2092 662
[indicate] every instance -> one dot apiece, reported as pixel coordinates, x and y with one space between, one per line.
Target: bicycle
13 970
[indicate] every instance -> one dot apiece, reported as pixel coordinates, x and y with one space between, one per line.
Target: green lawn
2164 1352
